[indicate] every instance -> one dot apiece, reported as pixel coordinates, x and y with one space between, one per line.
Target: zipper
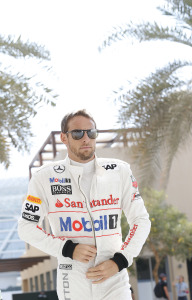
88 209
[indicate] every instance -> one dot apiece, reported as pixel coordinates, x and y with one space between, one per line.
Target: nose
85 137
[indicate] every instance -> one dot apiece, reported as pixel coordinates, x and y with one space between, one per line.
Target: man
83 197
163 281
182 288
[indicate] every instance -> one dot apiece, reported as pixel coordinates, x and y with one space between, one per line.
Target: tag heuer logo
65 267
61 189
59 168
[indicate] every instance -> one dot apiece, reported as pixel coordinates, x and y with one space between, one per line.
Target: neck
78 160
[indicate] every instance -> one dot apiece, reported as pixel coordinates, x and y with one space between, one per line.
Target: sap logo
30 217
29 207
61 189
60 180
65 267
104 223
110 167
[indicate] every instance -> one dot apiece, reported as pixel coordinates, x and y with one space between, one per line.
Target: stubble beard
82 156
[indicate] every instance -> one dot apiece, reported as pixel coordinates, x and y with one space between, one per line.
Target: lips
85 147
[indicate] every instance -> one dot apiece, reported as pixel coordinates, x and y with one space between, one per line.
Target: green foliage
171 232
20 98
161 105
180 10
17 48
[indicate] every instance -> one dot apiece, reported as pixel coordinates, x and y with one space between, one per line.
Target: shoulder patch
110 166
59 168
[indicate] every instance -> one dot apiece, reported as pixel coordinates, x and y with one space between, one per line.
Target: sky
82 76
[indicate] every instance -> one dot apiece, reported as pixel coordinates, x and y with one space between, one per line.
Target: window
8 224
31 284
145 267
15 236
15 245
10 254
3 235
36 284
54 279
48 281
42 282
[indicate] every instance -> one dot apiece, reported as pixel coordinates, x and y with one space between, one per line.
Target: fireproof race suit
55 192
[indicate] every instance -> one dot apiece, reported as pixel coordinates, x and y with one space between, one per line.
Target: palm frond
17 48
161 107
147 32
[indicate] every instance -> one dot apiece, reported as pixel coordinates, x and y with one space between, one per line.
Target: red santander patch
58 203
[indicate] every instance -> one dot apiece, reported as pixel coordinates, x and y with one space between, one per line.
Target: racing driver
83 198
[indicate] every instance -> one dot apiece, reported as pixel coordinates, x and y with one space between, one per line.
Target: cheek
93 143
74 144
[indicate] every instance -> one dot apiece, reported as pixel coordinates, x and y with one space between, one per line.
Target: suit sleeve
34 210
137 217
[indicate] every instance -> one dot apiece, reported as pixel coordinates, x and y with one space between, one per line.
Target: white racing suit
55 191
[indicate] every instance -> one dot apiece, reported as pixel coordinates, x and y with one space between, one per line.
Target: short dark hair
69 116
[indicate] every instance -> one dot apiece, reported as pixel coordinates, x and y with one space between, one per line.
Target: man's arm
80 252
166 292
34 209
138 219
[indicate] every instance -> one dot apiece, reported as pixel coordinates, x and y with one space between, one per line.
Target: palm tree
161 105
20 95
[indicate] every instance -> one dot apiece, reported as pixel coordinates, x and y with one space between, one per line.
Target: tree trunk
158 260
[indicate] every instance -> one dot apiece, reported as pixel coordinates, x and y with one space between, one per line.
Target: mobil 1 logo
61 189
104 222
113 221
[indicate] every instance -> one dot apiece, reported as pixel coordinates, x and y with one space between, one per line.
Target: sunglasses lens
92 134
77 134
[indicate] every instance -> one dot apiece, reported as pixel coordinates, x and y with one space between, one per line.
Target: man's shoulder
57 167
112 163
163 283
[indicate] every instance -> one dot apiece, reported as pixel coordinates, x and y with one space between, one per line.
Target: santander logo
58 203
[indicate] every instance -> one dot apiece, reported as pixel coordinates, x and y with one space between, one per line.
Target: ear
64 138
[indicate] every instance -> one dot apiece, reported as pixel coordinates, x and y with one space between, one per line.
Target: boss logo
61 189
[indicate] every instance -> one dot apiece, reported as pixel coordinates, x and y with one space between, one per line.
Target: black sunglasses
77 134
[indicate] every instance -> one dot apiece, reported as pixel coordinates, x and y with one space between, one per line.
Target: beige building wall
179 194
179 188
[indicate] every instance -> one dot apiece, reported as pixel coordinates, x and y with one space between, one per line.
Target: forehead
80 122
